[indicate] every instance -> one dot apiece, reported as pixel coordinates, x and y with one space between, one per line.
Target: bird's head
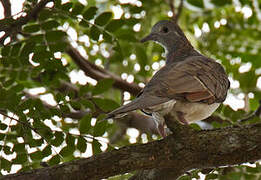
166 33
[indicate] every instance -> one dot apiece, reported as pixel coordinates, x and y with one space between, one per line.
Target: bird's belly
195 111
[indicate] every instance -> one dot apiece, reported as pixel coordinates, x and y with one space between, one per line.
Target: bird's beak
150 37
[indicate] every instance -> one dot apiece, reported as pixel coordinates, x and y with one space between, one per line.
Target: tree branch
98 73
196 150
7 8
13 28
179 10
175 15
256 113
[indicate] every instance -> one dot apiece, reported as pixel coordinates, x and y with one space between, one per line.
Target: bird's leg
181 118
161 129
160 121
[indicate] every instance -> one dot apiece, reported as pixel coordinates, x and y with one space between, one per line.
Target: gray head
168 34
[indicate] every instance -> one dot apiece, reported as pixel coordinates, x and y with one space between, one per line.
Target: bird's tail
124 109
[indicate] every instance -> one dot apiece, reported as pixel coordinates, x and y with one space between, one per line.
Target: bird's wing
196 79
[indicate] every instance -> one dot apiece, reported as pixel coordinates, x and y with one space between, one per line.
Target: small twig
7 7
175 15
256 113
172 8
179 9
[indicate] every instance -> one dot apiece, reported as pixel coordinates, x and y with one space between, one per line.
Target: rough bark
184 150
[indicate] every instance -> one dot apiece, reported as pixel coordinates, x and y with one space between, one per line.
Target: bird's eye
165 30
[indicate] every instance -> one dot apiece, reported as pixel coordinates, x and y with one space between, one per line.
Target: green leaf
254 103
16 49
36 156
47 151
77 8
27 49
141 55
54 160
37 38
88 104
90 13
64 108
75 105
96 147
81 144
252 169
211 176
20 159
31 28
18 88
58 140
95 33
195 126
107 37
36 142
100 128
128 37
3 126
105 104
7 150
70 140
85 124
103 18
44 14
67 6
53 36
5 50
102 86
221 2
114 25
67 151
48 25
2 136
197 3
58 47
84 23
5 164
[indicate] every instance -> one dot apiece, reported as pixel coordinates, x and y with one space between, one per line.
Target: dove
190 86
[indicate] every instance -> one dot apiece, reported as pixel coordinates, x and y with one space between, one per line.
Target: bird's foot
161 130
181 118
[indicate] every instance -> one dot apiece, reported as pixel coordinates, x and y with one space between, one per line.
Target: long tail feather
124 109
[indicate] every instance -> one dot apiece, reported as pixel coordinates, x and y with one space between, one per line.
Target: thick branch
98 73
180 152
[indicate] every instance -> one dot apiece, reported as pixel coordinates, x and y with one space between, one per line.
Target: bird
190 86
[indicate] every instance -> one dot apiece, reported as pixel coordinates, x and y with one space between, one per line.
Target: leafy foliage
67 126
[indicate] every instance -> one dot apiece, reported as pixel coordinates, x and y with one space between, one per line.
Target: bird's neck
180 51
